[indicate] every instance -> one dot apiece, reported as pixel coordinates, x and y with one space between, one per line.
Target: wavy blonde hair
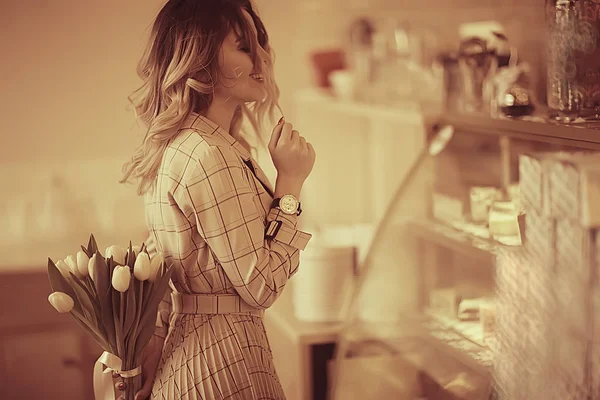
180 68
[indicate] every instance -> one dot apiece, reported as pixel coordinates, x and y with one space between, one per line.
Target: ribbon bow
103 381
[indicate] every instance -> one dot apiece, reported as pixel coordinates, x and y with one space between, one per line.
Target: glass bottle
573 71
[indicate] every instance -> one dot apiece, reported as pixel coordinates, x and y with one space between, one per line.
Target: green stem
121 320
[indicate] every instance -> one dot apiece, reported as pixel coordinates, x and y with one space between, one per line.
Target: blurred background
368 83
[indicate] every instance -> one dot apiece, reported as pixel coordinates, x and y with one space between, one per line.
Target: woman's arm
216 194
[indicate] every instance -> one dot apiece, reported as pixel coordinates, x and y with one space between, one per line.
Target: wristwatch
288 204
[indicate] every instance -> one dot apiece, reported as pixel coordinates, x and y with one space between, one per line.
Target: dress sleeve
217 195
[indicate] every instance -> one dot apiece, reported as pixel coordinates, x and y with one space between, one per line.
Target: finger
310 148
276 134
120 386
295 136
145 391
286 134
302 141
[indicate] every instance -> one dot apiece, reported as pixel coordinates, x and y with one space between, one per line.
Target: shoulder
193 152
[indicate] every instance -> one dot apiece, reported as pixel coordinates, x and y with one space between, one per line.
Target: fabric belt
212 304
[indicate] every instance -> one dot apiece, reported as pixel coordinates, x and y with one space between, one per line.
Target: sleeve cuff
283 233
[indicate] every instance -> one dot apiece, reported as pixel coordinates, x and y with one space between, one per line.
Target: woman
210 209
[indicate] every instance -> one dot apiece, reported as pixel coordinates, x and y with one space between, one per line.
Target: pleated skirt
217 357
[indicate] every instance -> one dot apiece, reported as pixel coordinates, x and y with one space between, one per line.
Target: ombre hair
180 69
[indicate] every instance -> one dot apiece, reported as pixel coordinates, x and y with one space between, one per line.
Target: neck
221 112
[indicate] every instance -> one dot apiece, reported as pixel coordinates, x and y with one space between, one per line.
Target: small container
323 282
487 316
343 84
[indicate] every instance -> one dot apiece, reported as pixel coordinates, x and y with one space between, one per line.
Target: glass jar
573 74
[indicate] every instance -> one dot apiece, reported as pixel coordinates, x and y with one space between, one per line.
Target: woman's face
240 81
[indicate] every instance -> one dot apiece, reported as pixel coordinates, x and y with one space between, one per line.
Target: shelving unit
456 252
454 239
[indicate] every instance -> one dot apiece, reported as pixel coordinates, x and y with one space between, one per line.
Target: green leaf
90 301
148 290
118 321
87 253
84 299
130 306
92 245
131 340
98 337
60 284
102 284
145 334
156 297
130 257
143 248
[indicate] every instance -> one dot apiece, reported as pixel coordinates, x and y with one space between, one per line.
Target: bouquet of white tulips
114 298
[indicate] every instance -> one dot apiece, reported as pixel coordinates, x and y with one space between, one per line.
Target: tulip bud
155 267
92 266
121 278
117 253
141 268
62 302
63 268
72 264
82 263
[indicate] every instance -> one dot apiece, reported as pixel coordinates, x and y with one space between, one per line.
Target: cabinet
362 155
302 351
422 346
43 354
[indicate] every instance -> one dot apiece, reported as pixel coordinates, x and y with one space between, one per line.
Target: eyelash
245 49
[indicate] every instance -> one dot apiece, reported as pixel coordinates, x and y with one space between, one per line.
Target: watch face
288 204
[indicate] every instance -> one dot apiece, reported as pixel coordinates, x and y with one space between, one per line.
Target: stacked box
552 280
533 181
511 363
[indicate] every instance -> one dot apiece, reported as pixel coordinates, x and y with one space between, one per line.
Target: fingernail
280 121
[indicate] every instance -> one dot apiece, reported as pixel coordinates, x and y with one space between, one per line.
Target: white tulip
82 263
141 268
92 266
63 268
155 267
72 264
121 278
117 253
62 302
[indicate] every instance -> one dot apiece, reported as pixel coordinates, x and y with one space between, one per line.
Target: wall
67 69
68 66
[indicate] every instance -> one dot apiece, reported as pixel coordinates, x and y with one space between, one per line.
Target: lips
257 77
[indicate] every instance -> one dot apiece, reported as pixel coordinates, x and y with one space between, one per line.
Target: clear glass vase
573 55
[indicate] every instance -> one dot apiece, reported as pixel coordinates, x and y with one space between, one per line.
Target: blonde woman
209 207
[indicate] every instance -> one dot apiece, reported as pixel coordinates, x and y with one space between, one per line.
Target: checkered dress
208 217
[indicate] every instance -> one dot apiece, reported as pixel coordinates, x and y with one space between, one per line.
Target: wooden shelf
441 335
453 239
531 128
582 136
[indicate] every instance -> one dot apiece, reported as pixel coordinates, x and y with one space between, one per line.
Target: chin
257 96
